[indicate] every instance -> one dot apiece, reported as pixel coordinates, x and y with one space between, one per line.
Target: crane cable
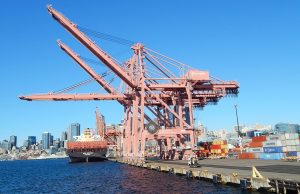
79 84
107 37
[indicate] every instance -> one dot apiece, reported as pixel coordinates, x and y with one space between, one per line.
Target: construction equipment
159 95
193 162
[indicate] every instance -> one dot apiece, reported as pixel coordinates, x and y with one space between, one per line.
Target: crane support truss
170 98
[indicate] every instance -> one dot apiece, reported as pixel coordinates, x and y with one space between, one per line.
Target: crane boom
99 53
89 70
65 97
93 74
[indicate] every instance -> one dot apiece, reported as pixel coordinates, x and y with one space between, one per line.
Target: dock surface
268 168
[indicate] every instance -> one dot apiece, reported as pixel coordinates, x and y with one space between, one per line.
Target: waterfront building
287 128
31 140
73 130
46 140
26 143
13 140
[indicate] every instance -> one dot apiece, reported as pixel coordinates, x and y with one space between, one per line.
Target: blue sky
256 43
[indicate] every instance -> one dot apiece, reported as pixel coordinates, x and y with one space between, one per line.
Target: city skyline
259 50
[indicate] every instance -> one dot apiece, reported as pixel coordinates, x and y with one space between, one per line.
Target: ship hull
89 155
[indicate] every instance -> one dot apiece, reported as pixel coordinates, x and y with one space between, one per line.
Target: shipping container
91 144
289 136
273 149
273 137
256 150
291 148
247 155
291 154
292 142
255 144
271 156
259 139
215 147
274 143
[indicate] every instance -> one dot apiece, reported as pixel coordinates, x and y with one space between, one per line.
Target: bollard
189 174
171 171
245 183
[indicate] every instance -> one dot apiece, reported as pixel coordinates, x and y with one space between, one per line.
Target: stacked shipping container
219 148
273 147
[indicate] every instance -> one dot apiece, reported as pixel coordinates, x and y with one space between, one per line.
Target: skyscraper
31 140
51 140
63 138
26 143
46 140
13 140
74 130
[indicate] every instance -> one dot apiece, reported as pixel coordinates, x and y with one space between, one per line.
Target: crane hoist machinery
158 94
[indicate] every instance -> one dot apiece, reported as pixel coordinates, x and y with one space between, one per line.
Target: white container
294 142
256 150
291 135
298 154
273 137
290 142
283 143
284 149
272 143
282 137
290 148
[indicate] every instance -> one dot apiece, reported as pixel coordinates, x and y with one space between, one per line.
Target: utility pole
238 126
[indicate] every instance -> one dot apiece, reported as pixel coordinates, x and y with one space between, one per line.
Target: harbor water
59 176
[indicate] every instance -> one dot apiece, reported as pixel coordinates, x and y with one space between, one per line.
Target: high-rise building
56 143
63 138
26 143
6 145
46 140
51 140
13 140
74 130
31 140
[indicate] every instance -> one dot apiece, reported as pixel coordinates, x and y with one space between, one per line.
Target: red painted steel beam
81 37
75 97
89 70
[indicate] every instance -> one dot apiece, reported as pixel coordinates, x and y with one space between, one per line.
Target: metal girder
75 97
99 53
89 70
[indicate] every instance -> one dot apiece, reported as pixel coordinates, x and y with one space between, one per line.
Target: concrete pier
276 176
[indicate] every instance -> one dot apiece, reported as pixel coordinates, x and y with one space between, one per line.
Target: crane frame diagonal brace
167 107
81 37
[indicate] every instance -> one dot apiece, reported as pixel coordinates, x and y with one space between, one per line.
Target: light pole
238 126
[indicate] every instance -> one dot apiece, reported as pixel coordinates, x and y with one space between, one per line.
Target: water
59 176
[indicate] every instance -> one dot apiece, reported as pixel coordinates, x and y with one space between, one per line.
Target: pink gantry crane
159 95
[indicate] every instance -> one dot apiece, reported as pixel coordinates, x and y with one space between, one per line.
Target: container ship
87 148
